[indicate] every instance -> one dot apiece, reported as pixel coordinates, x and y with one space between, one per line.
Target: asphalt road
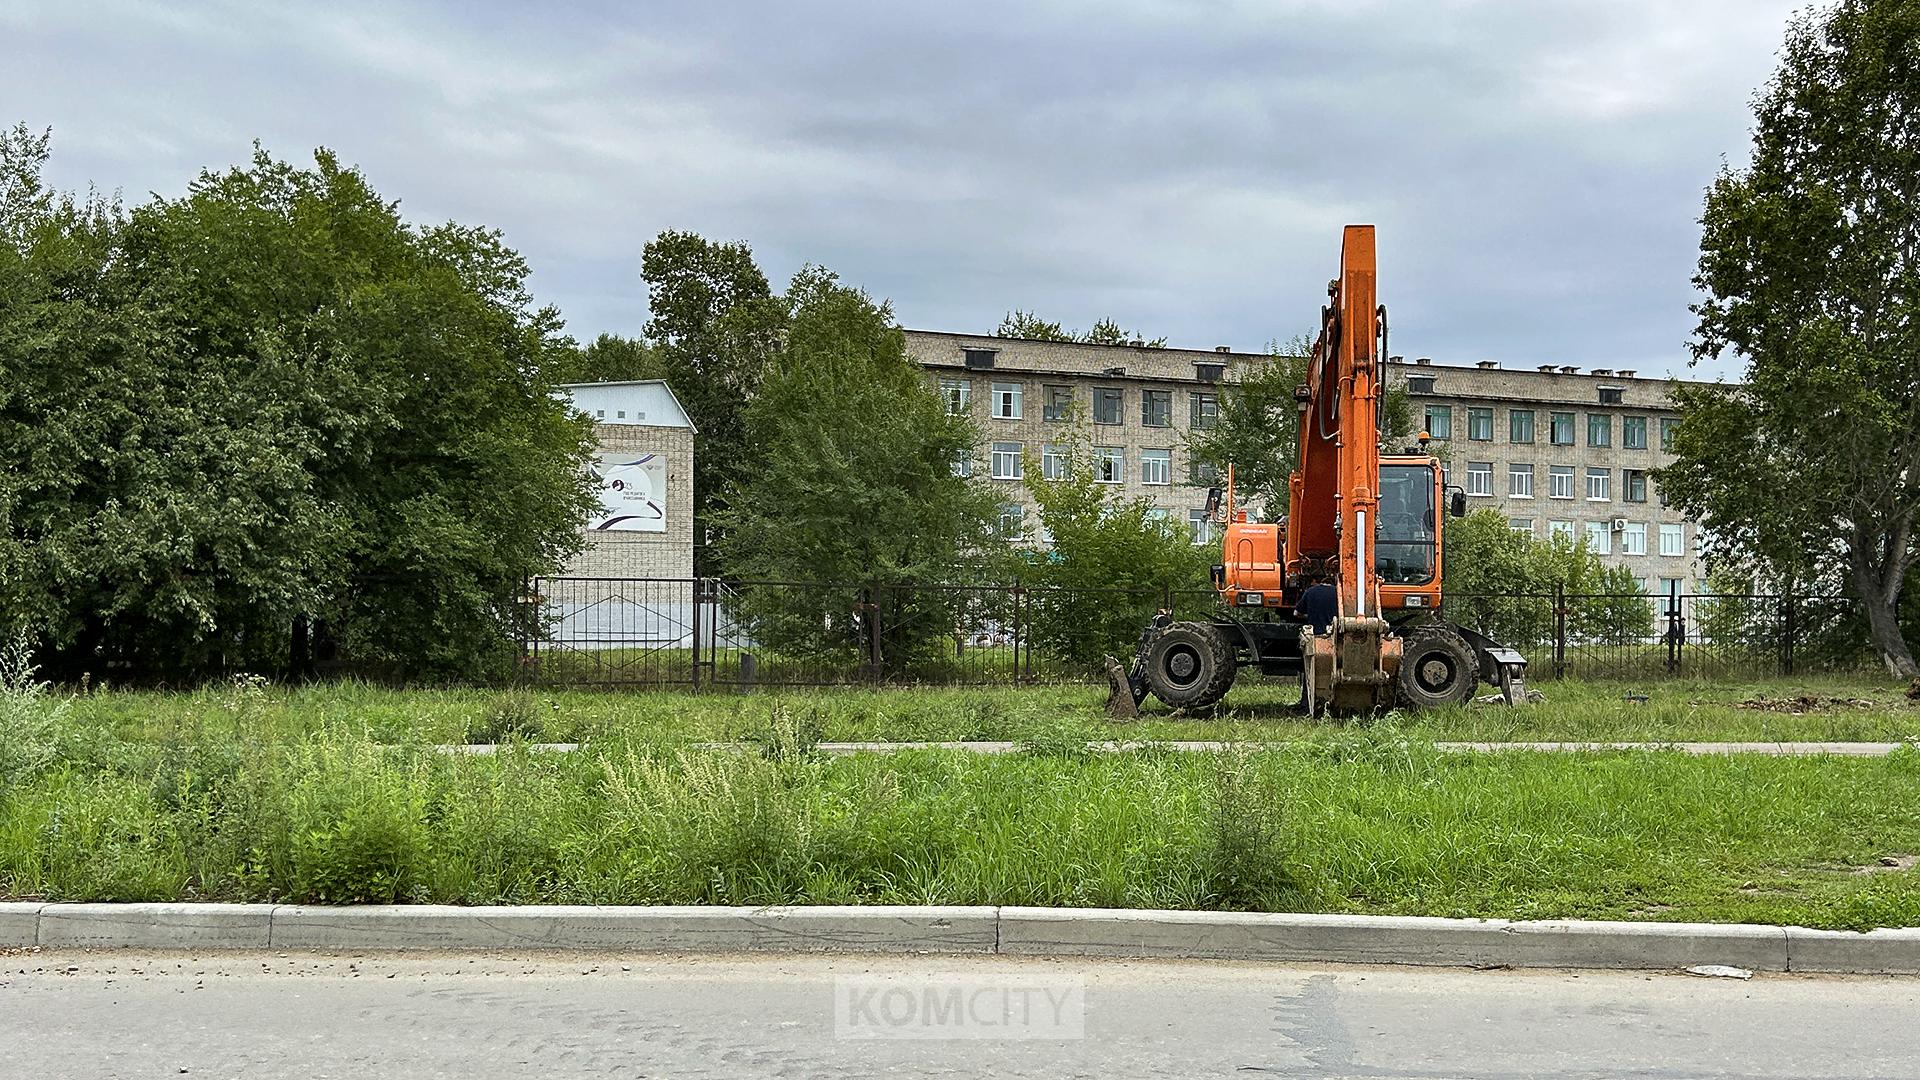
303 1016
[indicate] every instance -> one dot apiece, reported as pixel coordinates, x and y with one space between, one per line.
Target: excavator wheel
1190 665
1436 668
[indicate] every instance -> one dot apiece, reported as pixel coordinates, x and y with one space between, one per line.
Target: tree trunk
1881 598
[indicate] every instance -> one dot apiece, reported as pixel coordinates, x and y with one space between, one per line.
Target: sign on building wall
633 493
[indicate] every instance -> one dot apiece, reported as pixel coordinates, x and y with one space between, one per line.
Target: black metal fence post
1559 630
874 657
1789 628
699 600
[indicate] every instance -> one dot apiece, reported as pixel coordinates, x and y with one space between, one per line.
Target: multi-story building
1561 451
1555 450
1138 404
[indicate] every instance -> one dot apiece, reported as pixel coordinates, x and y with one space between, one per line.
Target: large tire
1437 668
1190 665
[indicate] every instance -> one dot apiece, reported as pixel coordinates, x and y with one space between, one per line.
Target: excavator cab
1366 523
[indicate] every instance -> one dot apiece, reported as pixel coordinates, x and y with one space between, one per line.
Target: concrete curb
1012 931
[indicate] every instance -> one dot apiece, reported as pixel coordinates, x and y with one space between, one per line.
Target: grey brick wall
639 554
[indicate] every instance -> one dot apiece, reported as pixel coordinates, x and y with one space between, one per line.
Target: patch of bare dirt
1804 703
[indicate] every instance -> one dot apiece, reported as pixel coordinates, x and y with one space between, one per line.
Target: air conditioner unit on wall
1619 524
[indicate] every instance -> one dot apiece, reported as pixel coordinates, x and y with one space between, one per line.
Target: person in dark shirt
1318 605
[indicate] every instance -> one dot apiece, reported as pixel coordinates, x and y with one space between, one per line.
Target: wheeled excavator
1361 521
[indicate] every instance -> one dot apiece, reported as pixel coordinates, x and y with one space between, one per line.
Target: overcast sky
1535 167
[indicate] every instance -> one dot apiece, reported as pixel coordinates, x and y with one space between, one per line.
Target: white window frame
1007 461
1633 539
1480 478
1200 527
1015 514
1516 473
1156 463
1561 528
958 395
1600 537
1007 400
963 464
1523 526
1604 485
1053 461
1115 456
1675 533
1557 473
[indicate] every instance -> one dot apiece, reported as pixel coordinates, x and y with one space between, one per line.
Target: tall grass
241 798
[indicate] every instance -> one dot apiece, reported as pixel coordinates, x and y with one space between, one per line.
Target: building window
1480 425
1202 473
1523 526
1156 466
1560 428
1560 482
1520 425
1634 483
1204 409
599 414
1013 519
1673 540
1006 400
1006 461
1156 408
1633 433
978 358
1561 530
1599 429
1106 405
1109 465
1612 395
1668 425
1058 403
1520 482
1669 595
1599 485
1440 421
1053 462
1600 537
1419 384
1200 526
1480 478
957 393
963 463
1633 540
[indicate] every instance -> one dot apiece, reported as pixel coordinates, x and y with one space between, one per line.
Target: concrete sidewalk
1018 931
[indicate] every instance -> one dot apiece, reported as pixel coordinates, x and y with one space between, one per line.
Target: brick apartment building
1554 449
1139 404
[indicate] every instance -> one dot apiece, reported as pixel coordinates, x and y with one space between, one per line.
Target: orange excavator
1360 545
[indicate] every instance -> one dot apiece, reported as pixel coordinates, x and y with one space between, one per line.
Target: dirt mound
1804 703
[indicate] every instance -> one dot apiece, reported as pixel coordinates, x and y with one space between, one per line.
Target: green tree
1810 259
271 398
1504 583
1025 324
612 358
1111 562
1258 430
852 481
715 331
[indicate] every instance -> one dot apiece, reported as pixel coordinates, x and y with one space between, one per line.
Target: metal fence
709 632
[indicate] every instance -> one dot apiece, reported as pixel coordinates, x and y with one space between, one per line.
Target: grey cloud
1536 168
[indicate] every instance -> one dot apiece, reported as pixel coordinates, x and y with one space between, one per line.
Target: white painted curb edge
1015 931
